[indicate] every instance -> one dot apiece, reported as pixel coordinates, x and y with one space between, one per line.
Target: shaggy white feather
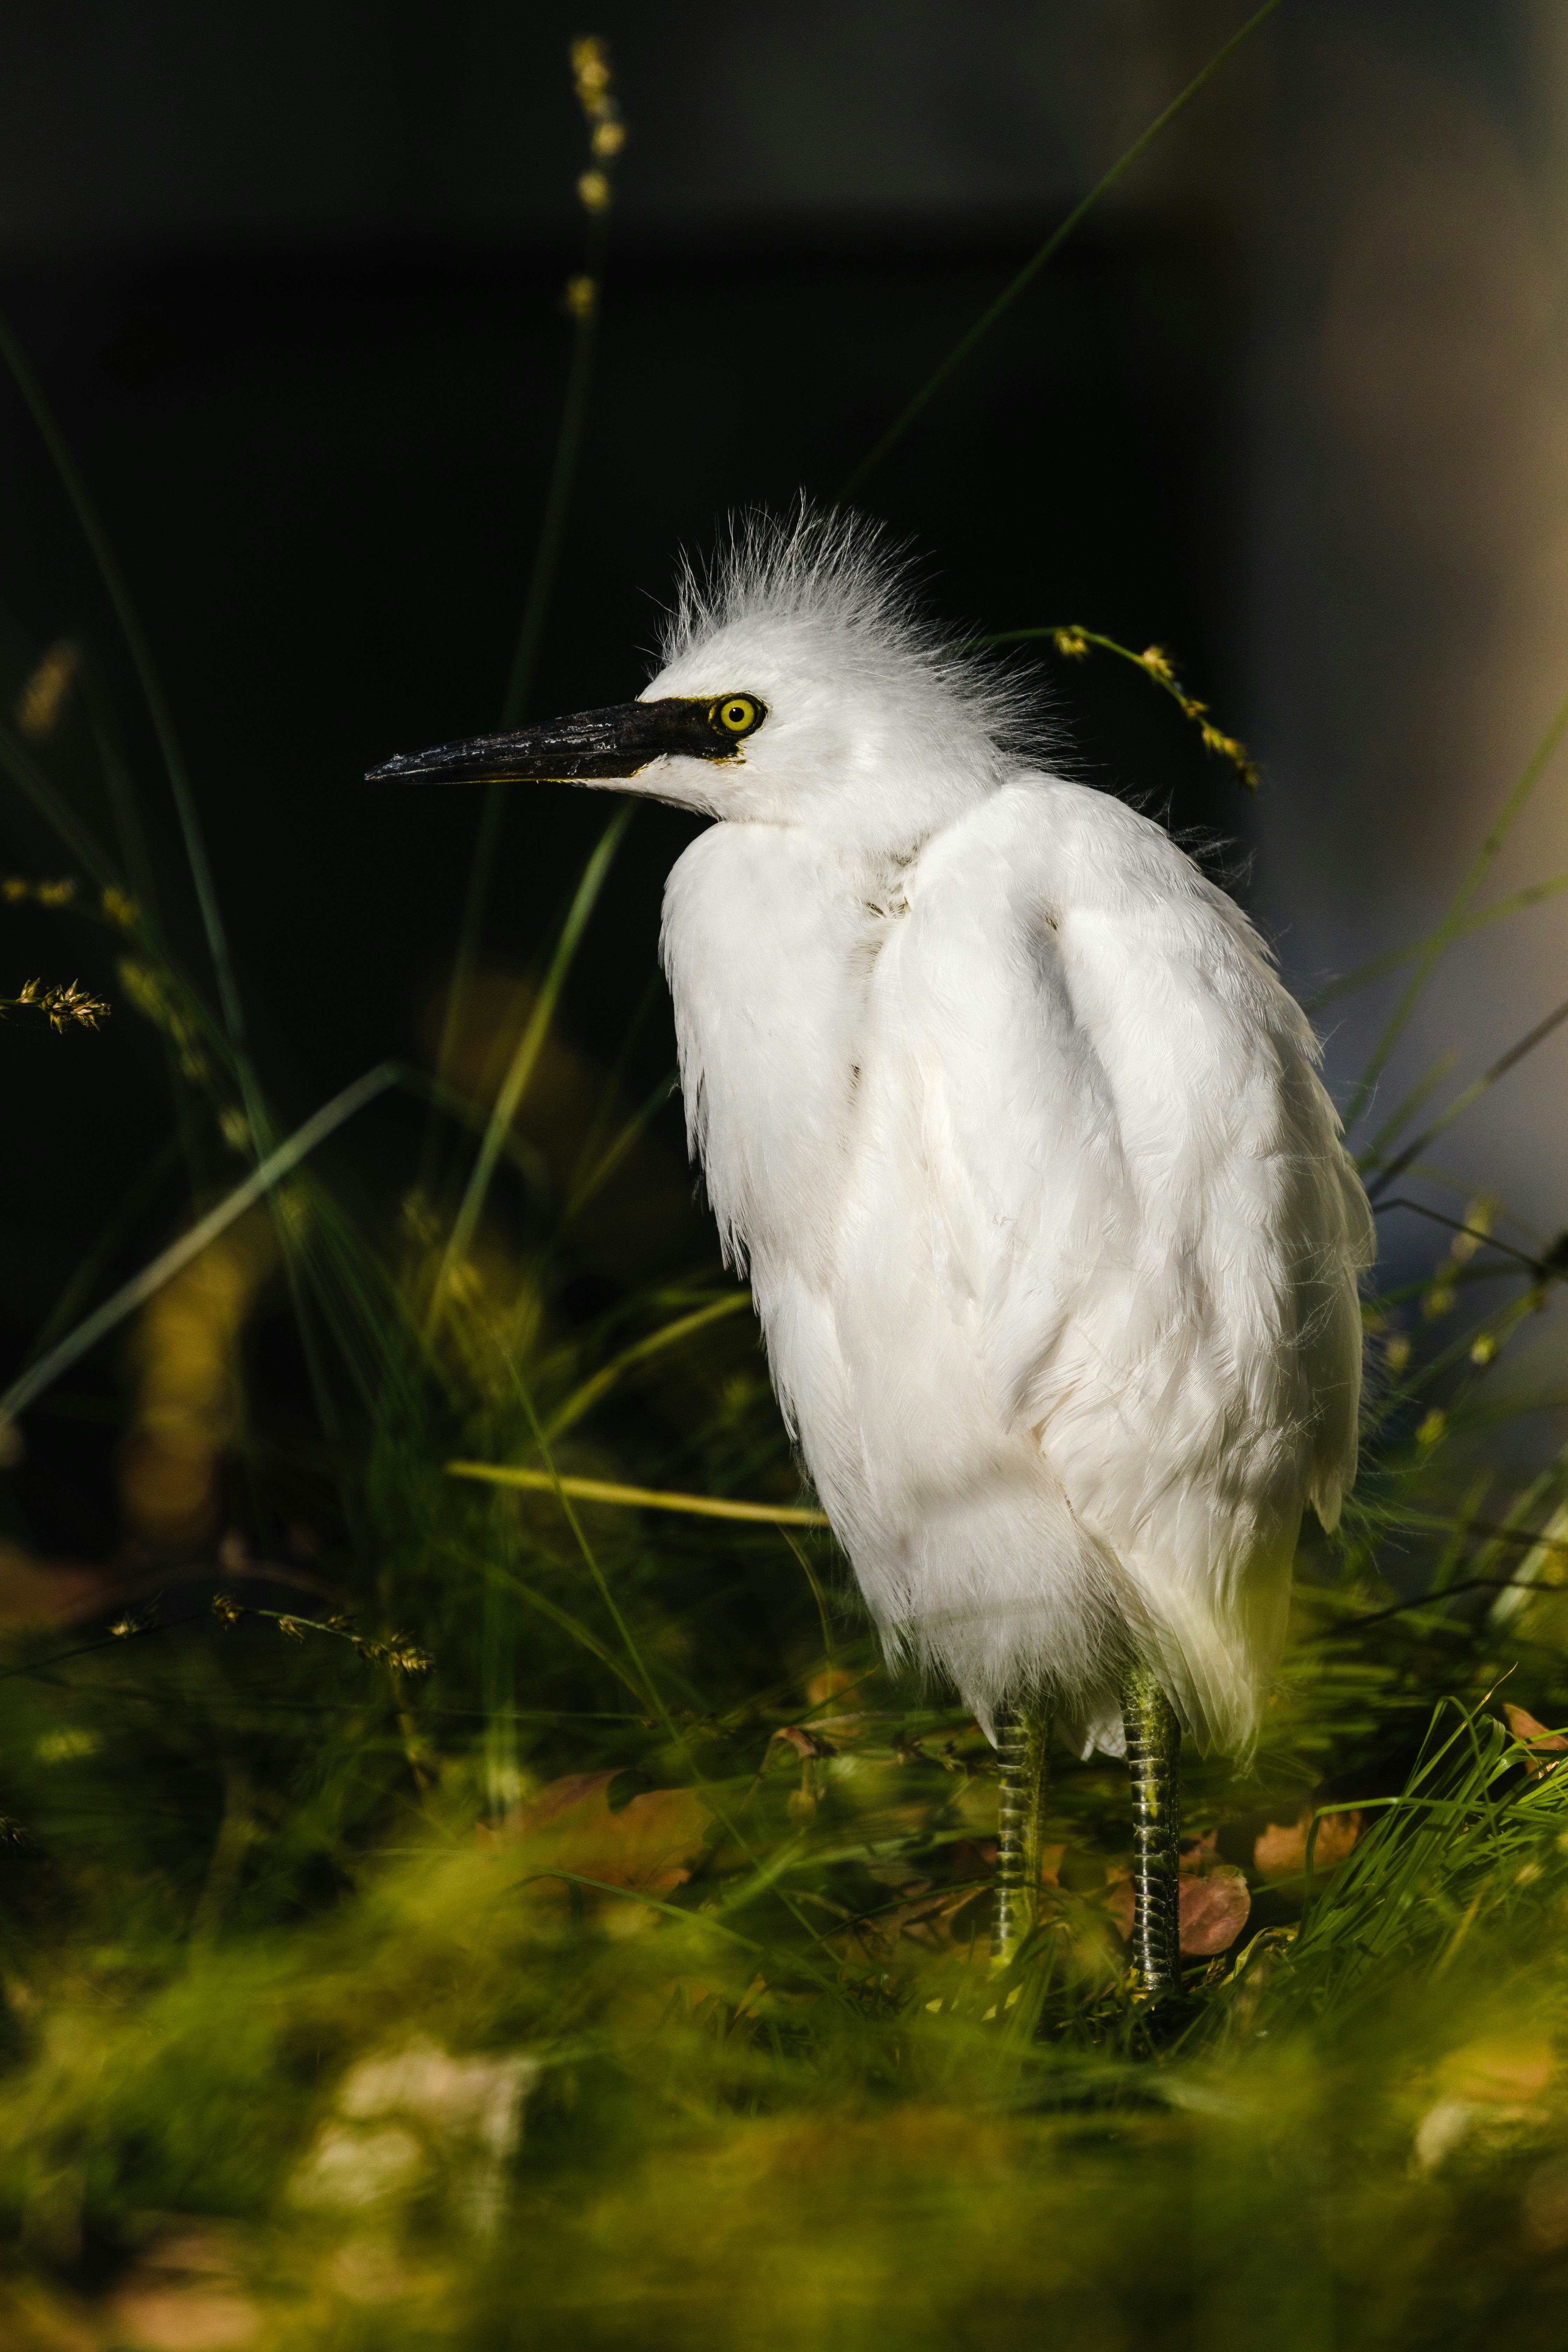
1050 1229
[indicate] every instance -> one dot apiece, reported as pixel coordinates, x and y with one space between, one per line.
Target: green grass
561 1930
770 2086
458 1914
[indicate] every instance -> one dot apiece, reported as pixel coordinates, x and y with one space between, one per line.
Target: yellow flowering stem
648 1498
402 1656
595 189
66 1005
1073 641
18 761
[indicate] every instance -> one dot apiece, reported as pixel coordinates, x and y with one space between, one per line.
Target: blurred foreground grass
441 1911
437 1912
705 2051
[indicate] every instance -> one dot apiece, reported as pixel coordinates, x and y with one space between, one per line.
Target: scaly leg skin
1153 1744
1022 1737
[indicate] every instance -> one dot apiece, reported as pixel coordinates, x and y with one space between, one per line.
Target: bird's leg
1022 1736
1153 1744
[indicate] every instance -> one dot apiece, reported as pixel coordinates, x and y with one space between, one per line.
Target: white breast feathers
1053 1236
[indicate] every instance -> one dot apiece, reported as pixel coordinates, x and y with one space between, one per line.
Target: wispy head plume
834 576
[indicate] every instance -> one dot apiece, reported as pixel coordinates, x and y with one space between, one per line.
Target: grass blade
649 1499
1534 894
38 787
1472 1095
91 527
670 1335
1052 245
1439 941
1415 1101
130 1295
510 1099
542 579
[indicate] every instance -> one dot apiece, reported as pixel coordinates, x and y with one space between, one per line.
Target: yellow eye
737 715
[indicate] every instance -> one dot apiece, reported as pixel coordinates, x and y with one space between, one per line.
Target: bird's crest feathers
841 583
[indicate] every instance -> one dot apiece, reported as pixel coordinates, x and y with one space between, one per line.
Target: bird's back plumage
1051 1231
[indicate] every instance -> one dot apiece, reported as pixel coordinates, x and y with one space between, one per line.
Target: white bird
1049 1226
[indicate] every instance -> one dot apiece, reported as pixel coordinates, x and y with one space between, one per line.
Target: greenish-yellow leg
1154 1744
1021 1740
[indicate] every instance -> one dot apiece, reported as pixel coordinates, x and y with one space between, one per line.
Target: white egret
1049 1226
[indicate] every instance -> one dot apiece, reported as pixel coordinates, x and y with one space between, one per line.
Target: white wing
1142 1195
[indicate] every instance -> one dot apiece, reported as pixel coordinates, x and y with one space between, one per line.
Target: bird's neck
770 938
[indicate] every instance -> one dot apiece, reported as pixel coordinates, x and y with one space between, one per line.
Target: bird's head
797 688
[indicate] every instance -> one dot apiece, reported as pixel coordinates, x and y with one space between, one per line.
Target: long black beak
592 747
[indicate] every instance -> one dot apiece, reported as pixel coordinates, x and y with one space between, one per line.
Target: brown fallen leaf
1535 1736
1489 2085
1281 1850
649 1844
1213 1900
186 2294
1215 1903
51 1592
1500 2069
805 1743
929 1914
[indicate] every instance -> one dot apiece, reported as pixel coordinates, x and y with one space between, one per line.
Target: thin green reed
584 294
765 1874
1005 301
261 1134
1518 902
1468 1096
262 1181
1410 1105
36 784
120 786
137 860
498 1669
1454 923
508 1101
91 527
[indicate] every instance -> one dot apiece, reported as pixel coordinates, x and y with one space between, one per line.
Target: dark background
292 279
